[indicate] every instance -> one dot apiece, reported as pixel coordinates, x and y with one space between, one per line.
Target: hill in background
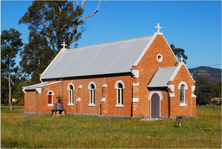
213 74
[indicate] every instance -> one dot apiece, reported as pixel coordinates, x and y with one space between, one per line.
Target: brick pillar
171 99
193 102
135 100
78 103
173 107
103 110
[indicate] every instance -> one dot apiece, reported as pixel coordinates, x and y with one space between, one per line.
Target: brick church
139 77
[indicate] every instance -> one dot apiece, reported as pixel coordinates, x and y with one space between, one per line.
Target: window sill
119 106
91 105
50 105
70 104
183 105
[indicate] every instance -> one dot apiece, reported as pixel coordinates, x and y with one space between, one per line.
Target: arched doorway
155 106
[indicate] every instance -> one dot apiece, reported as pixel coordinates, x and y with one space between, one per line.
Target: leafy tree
36 56
58 21
11 44
179 53
4 90
17 81
217 89
204 90
50 23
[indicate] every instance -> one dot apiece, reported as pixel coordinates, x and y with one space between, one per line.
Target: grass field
18 130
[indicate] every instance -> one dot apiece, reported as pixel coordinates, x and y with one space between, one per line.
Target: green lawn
18 130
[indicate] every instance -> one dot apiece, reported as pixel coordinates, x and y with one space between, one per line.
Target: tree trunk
9 87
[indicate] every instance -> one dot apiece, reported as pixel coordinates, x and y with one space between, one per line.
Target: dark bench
60 111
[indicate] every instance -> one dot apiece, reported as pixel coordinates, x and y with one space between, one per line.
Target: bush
215 102
59 98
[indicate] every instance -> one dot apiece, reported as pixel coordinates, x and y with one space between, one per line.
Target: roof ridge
108 42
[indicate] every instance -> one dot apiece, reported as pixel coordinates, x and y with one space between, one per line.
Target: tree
204 90
17 81
36 56
11 44
4 90
179 53
217 89
58 21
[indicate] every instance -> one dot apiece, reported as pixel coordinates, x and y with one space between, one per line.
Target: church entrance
155 106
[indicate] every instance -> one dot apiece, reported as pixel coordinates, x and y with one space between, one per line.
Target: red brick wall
104 103
43 97
112 96
176 109
30 102
135 105
82 107
164 104
147 67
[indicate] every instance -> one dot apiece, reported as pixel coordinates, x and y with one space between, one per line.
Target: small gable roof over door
107 58
162 77
165 74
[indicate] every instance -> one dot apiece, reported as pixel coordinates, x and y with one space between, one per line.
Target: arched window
50 98
92 94
182 87
71 96
182 94
120 94
119 85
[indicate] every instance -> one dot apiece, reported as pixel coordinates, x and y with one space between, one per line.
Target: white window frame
159 59
92 94
119 90
120 95
70 91
51 98
185 88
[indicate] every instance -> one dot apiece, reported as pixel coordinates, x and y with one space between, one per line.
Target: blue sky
193 26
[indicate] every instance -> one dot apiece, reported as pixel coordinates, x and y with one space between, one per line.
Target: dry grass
70 131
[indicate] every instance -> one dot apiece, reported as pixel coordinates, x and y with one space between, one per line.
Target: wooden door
155 106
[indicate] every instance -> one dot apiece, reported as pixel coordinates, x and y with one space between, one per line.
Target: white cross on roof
64 45
158 27
181 59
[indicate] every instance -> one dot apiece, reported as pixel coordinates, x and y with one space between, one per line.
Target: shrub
214 102
59 98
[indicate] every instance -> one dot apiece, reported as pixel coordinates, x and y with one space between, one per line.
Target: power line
206 66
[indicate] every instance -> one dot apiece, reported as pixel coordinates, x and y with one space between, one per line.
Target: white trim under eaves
23 88
38 88
177 70
50 64
35 84
170 49
145 49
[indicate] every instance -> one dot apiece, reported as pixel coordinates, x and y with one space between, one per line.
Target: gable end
177 70
147 47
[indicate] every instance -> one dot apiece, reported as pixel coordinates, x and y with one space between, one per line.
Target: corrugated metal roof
33 87
162 76
107 58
